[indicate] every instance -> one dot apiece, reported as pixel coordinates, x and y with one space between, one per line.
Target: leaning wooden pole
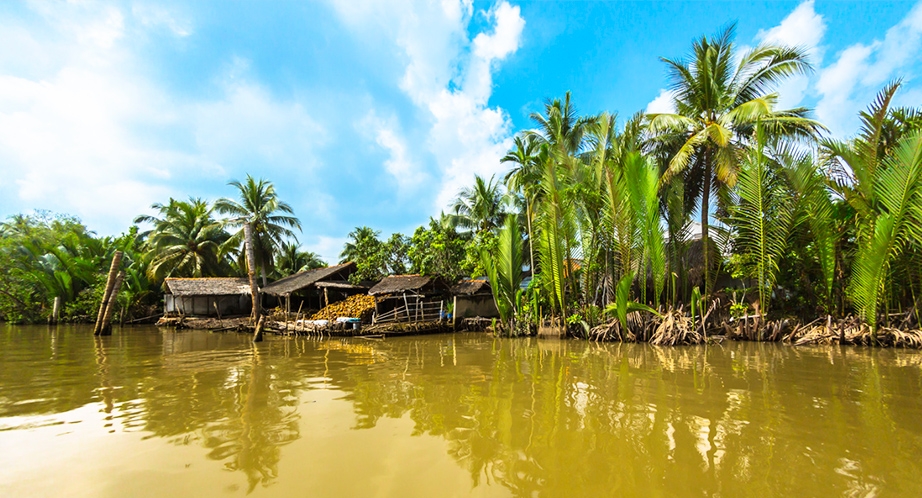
106 328
107 294
251 271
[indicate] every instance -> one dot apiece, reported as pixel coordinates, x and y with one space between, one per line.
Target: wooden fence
418 311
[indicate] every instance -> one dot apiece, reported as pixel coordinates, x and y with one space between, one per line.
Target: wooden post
56 311
258 333
110 281
106 328
454 313
326 298
251 272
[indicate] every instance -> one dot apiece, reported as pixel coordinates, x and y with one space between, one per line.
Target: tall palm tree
185 241
561 128
718 101
270 218
480 208
523 179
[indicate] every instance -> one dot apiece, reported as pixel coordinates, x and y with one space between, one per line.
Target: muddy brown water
151 412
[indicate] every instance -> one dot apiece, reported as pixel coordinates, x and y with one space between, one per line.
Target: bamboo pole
110 281
56 311
258 333
251 271
106 328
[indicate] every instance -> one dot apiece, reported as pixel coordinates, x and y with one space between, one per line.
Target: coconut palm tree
291 259
718 99
524 178
185 240
270 218
480 208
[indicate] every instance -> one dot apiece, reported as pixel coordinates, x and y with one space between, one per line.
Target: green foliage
761 217
291 259
437 250
367 251
898 224
271 219
504 268
185 241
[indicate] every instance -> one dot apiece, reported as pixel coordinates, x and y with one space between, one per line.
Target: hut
473 299
314 289
409 298
220 297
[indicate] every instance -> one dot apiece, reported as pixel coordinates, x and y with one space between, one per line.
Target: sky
368 112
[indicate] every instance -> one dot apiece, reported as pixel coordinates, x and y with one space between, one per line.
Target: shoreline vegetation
727 218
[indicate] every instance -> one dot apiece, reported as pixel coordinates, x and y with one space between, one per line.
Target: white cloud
450 79
407 173
802 28
85 130
155 16
328 248
849 84
664 103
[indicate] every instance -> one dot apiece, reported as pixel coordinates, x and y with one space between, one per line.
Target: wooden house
473 299
409 298
314 289
220 297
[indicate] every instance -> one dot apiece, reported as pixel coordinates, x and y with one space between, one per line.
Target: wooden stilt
106 328
110 281
258 333
56 311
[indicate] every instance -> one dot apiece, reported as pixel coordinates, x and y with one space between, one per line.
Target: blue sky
366 112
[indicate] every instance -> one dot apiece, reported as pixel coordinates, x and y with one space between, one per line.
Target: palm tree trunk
705 208
531 246
251 271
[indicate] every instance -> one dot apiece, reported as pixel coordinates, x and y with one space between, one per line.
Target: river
152 412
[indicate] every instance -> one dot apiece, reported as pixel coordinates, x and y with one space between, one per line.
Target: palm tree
878 175
524 179
718 101
291 259
561 129
270 218
185 241
368 253
479 208
761 216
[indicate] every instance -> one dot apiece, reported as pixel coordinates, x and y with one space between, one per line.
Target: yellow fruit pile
357 306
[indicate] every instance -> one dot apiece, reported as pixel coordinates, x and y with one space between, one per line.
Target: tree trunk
251 271
531 245
106 328
107 294
705 237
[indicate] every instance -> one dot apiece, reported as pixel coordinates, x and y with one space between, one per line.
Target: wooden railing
418 311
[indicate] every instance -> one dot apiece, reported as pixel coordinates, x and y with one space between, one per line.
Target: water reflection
551 418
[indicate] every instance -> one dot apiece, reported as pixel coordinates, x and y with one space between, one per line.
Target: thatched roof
471 287
307 278
207 286
398 284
